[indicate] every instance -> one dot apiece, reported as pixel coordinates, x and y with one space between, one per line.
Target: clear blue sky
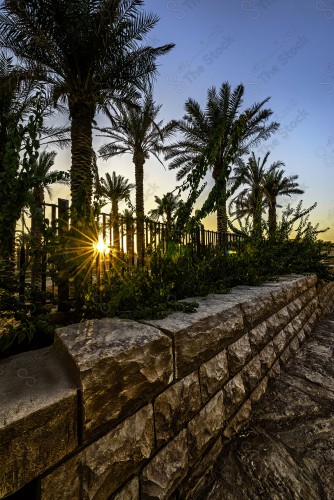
277 48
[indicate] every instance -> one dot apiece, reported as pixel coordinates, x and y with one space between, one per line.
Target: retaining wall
126 410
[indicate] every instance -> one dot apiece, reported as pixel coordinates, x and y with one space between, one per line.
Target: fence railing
120 236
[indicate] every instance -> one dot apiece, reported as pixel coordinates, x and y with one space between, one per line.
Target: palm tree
135 131
250 201
115 188
43 177
167 206
90 53
16 103
277 184
214 139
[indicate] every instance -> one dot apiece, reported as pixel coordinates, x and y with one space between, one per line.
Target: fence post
63 283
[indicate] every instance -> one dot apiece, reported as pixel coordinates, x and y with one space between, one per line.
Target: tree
116 189
43 177
136 131
277 184
166 208
90 53
214 139
21 120
251 201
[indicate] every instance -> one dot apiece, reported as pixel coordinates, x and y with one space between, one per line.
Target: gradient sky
276 48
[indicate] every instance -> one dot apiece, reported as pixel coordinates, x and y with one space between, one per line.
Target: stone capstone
120 365
201 335
38 416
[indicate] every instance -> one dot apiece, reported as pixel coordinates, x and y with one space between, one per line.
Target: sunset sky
277 48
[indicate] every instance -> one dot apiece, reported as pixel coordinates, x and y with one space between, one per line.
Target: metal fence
120 237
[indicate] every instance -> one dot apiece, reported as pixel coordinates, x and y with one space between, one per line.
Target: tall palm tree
250 201
16 103
135 130
166 208
214 139
115 188
43 177
90 53
277 184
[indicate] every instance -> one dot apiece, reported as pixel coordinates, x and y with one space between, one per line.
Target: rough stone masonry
121 409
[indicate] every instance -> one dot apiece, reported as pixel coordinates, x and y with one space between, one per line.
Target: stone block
294 345
289 332
296 325
114 458
267 357
239 420
280 341
277 321
309 295
234 394
238 354
64 481
38 416
260 390
275 370
165 471
200 335
130 491
175 406
202 474
252 373
258 337
286 355
120 365
301 336
295 307
213 374
205 426
257 308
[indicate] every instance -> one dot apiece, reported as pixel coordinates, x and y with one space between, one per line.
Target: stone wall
126 410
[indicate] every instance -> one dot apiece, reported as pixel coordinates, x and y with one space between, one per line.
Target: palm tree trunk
222 212
257 218
139 160
7 249
82 115
36 233
272 220
115 225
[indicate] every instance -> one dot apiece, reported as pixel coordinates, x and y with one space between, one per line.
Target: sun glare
100 246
